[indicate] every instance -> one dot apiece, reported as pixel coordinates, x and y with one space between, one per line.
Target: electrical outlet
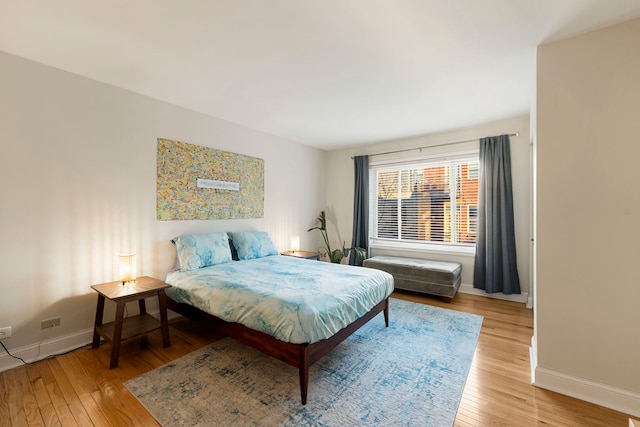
5 332
49 323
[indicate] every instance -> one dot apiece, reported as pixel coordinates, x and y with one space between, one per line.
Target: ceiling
326 73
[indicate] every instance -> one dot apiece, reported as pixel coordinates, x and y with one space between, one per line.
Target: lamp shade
127 268
295 243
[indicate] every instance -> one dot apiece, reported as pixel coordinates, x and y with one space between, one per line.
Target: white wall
340 189
78 187
588 200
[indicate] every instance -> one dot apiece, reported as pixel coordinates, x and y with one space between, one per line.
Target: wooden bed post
386 312
303 370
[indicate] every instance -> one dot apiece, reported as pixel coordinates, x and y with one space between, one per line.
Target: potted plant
337 255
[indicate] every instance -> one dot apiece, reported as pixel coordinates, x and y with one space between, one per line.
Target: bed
293 309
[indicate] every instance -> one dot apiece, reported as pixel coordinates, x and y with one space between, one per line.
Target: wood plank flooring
77 389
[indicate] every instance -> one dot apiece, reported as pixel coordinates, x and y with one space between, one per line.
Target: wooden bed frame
300 356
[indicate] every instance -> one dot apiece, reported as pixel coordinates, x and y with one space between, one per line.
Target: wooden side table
303 254
121 328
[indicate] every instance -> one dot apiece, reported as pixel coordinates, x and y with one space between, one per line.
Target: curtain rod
431 146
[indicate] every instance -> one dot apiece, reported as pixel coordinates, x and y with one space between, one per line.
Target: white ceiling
327 73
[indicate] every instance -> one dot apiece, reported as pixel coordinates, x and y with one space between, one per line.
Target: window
431 202
472 221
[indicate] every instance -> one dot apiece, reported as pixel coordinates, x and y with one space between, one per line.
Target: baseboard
523 298
58 345
605 395
42 350
533 358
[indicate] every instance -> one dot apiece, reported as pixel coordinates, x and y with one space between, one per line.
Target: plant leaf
361 255
336 256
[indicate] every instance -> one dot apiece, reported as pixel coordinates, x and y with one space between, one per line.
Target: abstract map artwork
196 182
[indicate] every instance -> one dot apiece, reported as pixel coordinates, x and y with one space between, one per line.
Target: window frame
423 161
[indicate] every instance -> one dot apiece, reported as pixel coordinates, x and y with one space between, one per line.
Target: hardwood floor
78 389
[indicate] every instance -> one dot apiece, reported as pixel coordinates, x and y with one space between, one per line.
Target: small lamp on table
295 243
127 268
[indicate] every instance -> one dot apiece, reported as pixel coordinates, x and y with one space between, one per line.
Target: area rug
412 373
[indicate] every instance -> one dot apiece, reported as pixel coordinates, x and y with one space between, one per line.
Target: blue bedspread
294 300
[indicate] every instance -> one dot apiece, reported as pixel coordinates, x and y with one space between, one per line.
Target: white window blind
435 202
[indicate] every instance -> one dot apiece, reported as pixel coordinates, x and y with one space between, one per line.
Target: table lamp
127 268
295 243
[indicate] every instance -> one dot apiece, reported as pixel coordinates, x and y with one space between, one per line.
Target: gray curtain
360 236
495 267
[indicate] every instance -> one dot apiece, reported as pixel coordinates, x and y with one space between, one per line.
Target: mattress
292 299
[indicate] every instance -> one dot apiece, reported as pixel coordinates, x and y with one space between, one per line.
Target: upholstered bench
420 275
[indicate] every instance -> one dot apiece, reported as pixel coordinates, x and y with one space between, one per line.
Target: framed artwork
196 182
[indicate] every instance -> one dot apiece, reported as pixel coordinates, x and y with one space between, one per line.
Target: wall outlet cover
50 323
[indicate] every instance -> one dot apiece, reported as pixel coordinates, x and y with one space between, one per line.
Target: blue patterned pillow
253 244
202 250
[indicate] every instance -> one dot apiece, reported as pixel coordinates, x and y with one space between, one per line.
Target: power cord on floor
15 357
51 356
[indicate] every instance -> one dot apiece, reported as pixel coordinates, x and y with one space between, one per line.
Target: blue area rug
411 374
